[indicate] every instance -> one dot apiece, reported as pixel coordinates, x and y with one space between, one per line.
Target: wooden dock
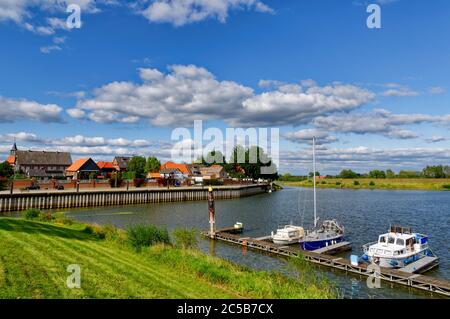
404 277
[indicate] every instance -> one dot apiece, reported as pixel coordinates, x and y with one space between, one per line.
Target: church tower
14 148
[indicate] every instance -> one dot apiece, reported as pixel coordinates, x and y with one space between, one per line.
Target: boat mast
314 179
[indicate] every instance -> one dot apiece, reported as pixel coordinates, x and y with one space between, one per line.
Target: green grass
34 256
388 183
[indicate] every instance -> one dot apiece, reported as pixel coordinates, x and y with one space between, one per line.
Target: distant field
34 257
365 183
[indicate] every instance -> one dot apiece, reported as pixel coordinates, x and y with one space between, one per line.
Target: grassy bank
367 183
34 257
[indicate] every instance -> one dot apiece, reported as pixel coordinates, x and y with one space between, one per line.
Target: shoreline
378 184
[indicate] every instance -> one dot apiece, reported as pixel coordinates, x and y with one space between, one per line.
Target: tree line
438 171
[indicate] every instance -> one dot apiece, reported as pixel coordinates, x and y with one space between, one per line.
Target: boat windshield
382 240
400 242
391 240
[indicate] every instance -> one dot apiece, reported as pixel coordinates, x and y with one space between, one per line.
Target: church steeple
14 148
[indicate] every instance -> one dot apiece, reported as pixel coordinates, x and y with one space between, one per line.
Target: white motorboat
397 248
288 235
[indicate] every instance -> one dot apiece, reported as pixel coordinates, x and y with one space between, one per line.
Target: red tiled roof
154 175
11 159
182 167
78 164
105 165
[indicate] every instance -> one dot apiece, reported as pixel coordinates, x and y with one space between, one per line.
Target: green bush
356 183
185 238
324 182
372 183
338 183
31 213
46 217
139 236
446 186
61 218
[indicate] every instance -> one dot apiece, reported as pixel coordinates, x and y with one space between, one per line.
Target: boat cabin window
391 240
382 240
400 242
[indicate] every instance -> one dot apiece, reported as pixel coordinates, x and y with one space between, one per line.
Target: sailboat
330 232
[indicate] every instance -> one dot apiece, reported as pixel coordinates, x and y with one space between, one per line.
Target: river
364 213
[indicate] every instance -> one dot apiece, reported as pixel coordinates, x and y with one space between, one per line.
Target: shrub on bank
61 218
372 183
46 217
185 237
139 236
446 186
31 213
356 183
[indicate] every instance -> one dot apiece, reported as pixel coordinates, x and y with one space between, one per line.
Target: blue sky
134 71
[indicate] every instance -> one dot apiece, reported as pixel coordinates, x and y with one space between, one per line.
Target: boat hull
285 241
397 262
310 245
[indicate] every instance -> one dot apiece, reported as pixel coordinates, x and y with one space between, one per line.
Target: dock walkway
404 276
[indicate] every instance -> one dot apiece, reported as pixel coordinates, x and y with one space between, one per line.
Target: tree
312 175
435 171
347 173
390 173
408 174
6 170
136 166
377 174
253 161
153 165
212 158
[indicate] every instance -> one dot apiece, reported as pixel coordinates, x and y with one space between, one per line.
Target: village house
213 172
120 163
106 169
82 168
183 168
41 165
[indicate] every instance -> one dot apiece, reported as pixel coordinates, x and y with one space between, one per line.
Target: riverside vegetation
430 178
367 183
140 262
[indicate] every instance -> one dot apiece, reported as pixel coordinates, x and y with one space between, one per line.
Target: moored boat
288 235
330 232
397 248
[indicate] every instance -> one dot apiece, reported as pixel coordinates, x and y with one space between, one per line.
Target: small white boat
397 248
288 235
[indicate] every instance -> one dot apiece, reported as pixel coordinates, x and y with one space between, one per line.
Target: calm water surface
364 213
